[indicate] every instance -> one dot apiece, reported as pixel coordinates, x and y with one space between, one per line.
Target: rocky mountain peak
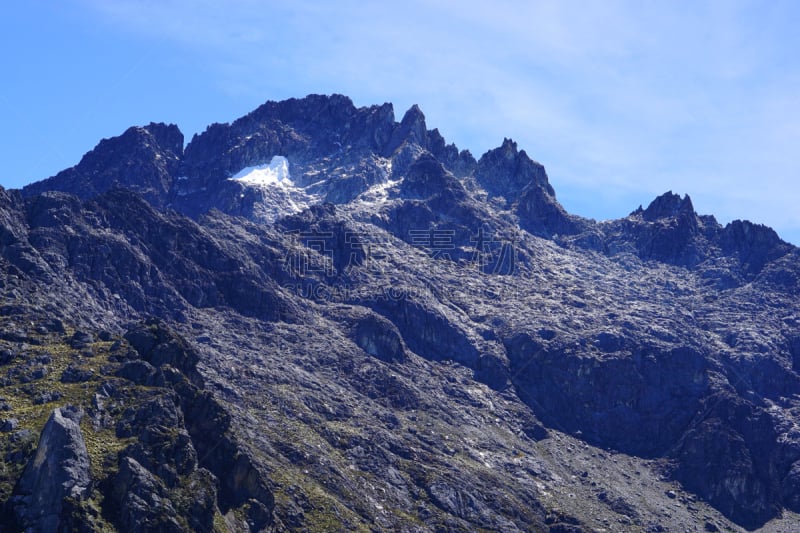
508 149
314 126
505 171
668 205
521 184
167 137
142 159
412 130
753 244
330 122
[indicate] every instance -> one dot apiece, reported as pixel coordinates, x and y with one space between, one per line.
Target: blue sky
620 100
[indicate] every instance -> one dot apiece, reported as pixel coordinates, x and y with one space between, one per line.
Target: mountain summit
319 318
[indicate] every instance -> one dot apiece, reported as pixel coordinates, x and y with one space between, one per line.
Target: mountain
319 318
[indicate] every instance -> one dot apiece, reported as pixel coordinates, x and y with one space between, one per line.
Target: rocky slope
318 318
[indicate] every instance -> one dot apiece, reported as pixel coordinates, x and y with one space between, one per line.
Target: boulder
58 470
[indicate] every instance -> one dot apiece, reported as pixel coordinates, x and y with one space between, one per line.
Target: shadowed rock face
396 336
640 403
144 160
379 338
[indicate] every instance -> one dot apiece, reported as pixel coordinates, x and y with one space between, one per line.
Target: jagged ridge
418 285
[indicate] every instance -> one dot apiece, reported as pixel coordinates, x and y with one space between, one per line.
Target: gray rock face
142 500
59 470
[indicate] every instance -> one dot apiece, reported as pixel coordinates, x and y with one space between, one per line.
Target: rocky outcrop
158 345
142 500
517 181
143 159
505 171
225 466
540 214
379 338
669 231
754 245
412 130
427 178
58 471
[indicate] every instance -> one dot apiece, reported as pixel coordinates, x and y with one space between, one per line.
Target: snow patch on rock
275 172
